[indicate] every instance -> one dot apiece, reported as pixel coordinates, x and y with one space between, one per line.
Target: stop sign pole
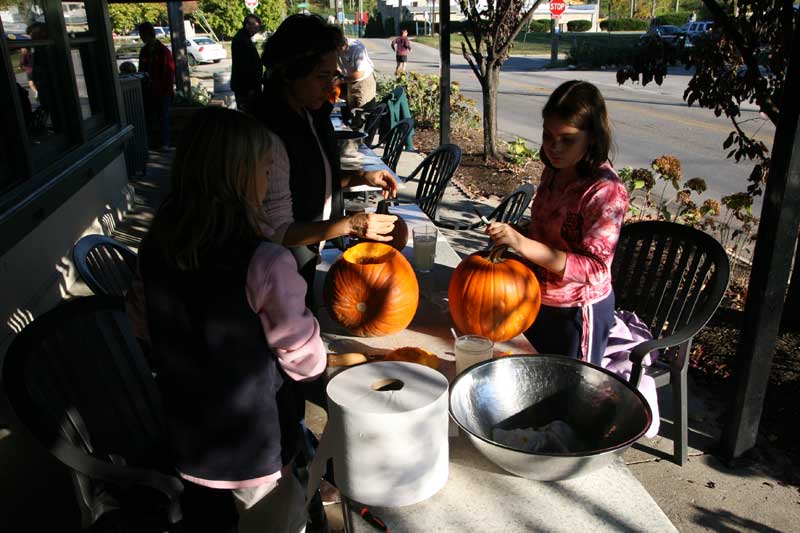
556 9
251 5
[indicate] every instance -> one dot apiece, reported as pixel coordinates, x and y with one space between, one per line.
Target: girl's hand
372 226
502 233
382 179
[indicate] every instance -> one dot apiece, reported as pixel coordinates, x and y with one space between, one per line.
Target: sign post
251 5
556 9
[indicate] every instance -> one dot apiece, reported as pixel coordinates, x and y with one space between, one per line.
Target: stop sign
557 8
251 4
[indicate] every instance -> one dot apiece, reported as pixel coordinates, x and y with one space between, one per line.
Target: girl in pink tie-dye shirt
576 218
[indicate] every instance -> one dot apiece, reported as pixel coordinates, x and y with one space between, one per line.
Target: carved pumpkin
371 290
399 233
494 296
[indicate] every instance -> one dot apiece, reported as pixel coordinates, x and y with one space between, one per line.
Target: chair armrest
124 476
454 226
641 350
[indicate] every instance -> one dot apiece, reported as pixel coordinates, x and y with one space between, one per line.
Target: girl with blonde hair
228 324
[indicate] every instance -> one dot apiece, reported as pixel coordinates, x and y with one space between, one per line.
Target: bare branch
524 20
471 63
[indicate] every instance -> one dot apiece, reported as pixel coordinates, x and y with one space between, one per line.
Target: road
647 121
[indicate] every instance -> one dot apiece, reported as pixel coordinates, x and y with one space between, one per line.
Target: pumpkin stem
496 253
383 208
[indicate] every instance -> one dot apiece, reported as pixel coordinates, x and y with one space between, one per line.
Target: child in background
576 217
227 321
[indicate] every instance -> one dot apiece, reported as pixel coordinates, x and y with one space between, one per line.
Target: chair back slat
373 121
513 207
434 173
106 266
669 274
394 142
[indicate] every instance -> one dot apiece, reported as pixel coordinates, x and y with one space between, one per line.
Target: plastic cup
424 247
471 350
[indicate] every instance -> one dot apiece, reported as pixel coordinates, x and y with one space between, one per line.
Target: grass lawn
539 43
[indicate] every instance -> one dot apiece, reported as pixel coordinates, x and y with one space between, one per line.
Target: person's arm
534 251
364 225
393 43
602 218
276 293
375 178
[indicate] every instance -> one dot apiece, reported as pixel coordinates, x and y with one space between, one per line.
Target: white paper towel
389 447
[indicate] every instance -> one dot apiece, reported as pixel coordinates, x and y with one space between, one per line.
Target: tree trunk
489 87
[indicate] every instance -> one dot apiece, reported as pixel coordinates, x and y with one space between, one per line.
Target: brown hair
579 104
213 201
298 45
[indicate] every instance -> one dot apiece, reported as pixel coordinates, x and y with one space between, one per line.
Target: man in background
247 69
358 73
401 47
156 61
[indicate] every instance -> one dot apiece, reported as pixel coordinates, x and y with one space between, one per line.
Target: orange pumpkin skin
371 290
494 296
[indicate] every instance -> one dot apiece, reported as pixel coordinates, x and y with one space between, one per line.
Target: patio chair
510 210
106 266
372 121
673 277
394 142
433 175
79 384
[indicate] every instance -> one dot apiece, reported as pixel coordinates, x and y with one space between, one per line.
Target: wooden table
478 495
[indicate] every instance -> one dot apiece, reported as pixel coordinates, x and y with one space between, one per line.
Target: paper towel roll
387 433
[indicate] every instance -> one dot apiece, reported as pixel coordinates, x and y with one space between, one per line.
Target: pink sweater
583 220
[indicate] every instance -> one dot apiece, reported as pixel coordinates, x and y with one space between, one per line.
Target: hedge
411 26
374 27
388 26
673 19
624 25
579 25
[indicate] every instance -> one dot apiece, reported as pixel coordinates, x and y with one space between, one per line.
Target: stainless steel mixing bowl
529 391
349 141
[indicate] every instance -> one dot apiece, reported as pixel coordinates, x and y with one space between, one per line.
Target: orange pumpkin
400 232
371 290
494 296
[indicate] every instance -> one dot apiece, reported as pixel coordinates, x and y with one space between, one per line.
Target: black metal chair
79 383
106 266
372 120
433 175
510 210
394 142
673 277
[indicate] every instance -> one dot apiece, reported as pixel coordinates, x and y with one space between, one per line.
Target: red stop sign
557 8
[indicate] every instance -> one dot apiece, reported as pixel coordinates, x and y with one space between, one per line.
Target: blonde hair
213 201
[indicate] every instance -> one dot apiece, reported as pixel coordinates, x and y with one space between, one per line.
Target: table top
480 496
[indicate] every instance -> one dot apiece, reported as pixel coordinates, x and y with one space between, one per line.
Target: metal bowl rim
559 358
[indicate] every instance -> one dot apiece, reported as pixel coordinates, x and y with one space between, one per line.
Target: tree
488 37
125 17
226 16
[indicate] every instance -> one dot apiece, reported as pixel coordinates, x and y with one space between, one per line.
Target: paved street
647 121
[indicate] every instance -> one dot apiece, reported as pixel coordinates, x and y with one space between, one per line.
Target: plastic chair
510 210
673 277
79 383
106 266
373 121
394 143
433 174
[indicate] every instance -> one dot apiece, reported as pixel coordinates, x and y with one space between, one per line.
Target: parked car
672 35
697 29
204 50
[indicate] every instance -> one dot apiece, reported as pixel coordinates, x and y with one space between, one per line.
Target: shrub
422 92
540 26
673 19
388 26
411 26
624 25
585 53
579 25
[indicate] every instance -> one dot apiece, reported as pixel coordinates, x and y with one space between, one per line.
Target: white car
204 50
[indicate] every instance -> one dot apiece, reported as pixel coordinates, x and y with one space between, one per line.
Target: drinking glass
424 247
471 350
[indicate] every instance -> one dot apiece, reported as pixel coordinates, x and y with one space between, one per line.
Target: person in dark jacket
247 70
156 61
304 193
